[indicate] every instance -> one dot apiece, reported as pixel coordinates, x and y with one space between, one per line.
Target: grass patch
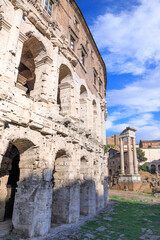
130 219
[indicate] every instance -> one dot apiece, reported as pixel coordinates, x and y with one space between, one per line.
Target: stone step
5 228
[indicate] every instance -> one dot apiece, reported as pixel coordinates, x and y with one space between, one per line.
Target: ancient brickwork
52 116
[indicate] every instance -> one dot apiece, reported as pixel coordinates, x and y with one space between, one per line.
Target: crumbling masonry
52 116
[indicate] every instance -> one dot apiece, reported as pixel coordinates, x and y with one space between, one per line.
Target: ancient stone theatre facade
52 116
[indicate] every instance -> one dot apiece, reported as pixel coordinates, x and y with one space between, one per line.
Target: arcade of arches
68 189
53 169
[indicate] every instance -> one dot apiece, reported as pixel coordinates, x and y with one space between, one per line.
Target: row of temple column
132 156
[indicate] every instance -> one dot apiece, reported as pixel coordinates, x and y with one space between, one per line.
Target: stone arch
87 188
33 51
94 105
153 168
10 175
31 185
83 105
65 190
64 93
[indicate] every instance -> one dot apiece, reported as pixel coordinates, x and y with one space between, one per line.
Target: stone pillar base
130 182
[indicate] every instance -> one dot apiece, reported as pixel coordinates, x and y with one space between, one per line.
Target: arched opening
94 116
64 90
87 189
27 68
9 177
83 105
22 189
65 191
84 187
153 169
158 168
110 172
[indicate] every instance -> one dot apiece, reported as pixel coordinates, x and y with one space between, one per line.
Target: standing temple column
130 160
122 155
135 157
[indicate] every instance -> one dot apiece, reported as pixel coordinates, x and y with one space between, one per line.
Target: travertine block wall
54 119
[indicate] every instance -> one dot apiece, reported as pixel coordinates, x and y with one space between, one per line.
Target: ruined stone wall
114 162
53 120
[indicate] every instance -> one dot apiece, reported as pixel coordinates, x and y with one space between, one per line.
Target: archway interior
64 89
26 70
9 176
84 187
153 168
61 189
83 104
94 116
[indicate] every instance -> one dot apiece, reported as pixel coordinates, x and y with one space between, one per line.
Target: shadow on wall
35 197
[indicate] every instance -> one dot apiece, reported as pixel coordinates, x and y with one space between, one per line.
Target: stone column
135 157
130 162
122 155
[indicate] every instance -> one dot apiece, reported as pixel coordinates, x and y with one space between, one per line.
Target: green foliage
126 221
141 155
119 171
106 147
145 168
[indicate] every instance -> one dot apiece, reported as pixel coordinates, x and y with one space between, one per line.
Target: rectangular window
100 85
72 43
48 6
82 58
95 77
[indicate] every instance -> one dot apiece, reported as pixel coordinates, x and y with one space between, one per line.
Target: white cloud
147 128
130 41
132 38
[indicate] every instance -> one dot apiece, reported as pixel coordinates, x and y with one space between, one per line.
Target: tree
144 167
107 147
141 155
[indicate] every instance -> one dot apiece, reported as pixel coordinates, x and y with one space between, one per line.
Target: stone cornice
4 24
40 19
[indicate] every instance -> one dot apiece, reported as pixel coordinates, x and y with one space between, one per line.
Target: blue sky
127 34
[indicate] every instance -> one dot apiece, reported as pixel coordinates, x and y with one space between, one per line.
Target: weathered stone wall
54 120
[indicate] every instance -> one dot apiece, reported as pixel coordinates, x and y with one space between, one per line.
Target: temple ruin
129 179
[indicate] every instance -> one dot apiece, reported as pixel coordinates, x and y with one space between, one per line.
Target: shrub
145 168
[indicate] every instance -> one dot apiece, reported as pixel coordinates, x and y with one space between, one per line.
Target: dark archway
153 169
95 120
64 89
9 175
26 70
87 189
83 105
65 191
110 172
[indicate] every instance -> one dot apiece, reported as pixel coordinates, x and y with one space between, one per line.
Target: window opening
72 43
48 6
82 58
95 77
